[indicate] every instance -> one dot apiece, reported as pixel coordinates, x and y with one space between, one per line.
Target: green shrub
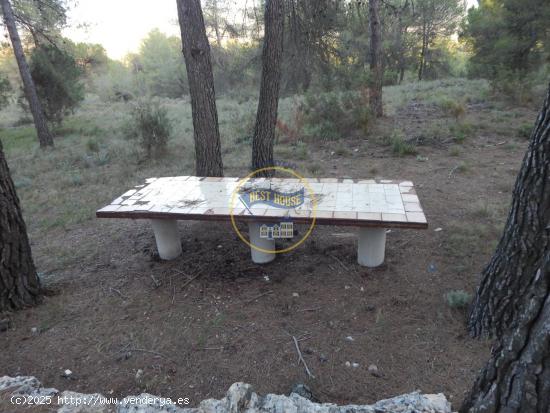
524 131
399 146
57 77
514 85
300 151
334 115
458 299
76 179
452 108
342 150
150 125
454 151
92 145
5 91
315 168
461 131
462 167
22 182
243 126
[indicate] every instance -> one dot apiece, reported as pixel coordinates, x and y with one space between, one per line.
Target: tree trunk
266 118
422 54
217 24
517 377
196 51
402 30
375 59
506 281
44 135
19 284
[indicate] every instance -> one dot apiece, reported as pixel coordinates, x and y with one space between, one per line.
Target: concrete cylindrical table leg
260 257
167 237
371 246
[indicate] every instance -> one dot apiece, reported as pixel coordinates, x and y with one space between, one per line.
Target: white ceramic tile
364 200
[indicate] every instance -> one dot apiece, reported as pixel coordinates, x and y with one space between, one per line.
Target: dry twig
311 376
258 296
114 290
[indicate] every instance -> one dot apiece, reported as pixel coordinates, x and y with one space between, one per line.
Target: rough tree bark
272 56
44 135
19 283
375 58
517 377
423 51
507 279
196 51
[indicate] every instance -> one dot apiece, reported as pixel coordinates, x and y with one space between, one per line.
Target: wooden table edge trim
259 218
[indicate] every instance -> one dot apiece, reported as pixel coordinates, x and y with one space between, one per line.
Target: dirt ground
197 324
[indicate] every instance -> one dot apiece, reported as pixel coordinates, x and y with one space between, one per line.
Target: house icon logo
284 229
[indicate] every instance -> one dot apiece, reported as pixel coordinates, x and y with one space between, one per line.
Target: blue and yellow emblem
272 197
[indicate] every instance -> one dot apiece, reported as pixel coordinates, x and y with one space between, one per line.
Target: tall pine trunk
375 58
196 51
19 284
423 51
517 377
44 135
272 56
507 279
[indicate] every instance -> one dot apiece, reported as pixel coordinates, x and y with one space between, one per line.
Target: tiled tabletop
339 201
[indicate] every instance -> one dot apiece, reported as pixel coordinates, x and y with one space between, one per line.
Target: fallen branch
155 281
191 280
114 290
258 296
309 309
311 376
156 353
452 171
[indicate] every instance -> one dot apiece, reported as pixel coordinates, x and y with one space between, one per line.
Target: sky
120 25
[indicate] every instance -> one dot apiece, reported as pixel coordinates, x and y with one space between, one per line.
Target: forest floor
112 308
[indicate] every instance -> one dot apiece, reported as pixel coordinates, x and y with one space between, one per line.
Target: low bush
452 108
458 299
400 146
150 125
334 115
524 130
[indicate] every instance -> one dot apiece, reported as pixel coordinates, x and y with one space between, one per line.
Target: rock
240 398
19 384
25 385
304 391
373 369
5 324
